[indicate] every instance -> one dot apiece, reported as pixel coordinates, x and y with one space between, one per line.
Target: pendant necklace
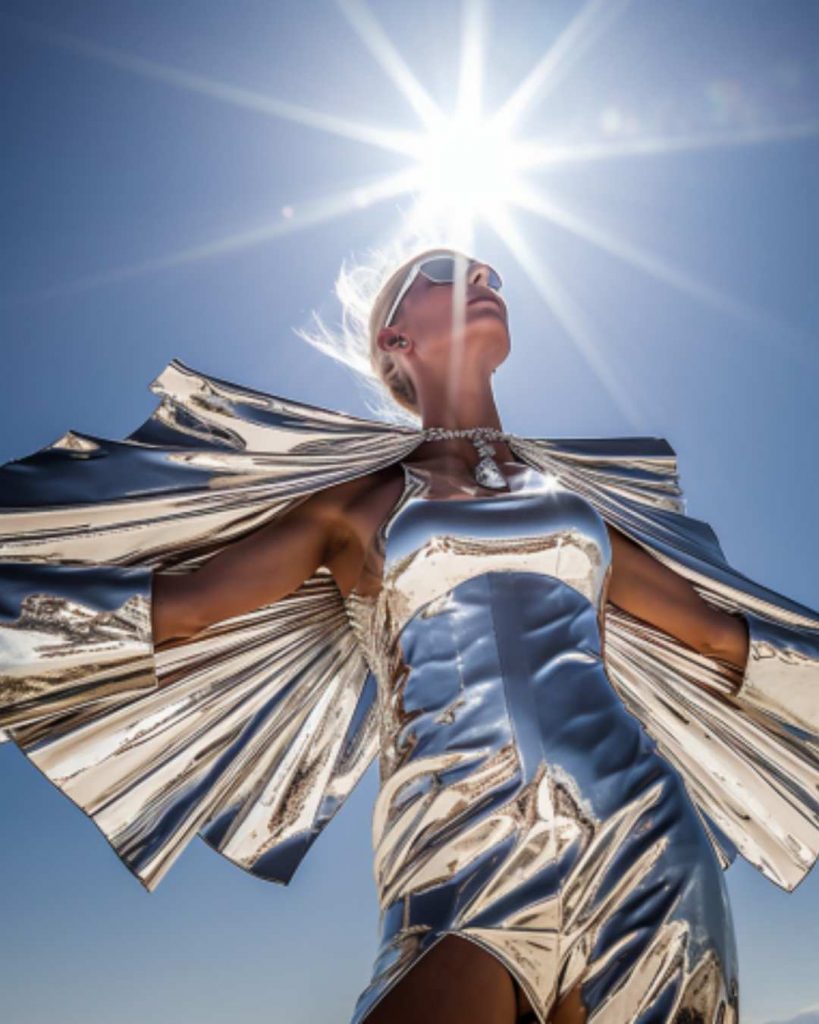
487 472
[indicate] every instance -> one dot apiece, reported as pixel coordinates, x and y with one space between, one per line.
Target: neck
460 408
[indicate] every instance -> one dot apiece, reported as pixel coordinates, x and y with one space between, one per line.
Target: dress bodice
429 545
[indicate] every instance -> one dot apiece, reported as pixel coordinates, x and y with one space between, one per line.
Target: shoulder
349 513
340 505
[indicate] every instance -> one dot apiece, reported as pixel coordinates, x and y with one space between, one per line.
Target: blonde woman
579 709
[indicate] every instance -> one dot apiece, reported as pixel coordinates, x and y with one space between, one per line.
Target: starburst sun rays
464 168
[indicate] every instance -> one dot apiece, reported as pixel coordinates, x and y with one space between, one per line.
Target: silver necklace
486 472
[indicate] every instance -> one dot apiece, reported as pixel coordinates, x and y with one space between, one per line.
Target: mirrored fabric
521 806
252 733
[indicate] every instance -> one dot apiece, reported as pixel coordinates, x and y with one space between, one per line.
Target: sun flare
471 167
468 169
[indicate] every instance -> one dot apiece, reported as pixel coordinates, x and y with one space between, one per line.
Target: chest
432 545
429 545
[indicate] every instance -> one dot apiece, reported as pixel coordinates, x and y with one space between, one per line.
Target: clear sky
159 201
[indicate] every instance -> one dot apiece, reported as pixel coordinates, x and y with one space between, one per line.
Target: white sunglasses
439 270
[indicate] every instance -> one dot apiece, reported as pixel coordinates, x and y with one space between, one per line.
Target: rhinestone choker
486 472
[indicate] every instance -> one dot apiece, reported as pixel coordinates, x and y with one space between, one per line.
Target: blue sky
148 218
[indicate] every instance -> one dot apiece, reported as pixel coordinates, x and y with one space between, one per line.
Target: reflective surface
521 806
264 723
775 657
88 630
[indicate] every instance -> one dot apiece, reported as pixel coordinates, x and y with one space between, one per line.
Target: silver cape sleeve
781 674
80 634
250 734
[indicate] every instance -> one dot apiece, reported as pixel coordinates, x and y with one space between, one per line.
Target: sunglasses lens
441 270
494 281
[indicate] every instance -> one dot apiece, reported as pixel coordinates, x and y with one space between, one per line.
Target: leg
570 1009
456 982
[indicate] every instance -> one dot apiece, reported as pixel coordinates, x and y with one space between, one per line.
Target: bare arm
641 585
267 564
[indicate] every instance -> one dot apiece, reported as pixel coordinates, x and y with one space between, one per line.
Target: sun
467 168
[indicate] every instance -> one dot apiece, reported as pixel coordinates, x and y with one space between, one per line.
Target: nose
478 274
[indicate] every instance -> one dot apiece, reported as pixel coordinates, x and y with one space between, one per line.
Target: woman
542 852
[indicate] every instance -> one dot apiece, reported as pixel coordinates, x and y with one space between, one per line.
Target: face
424 319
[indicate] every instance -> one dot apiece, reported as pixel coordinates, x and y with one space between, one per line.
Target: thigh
454 982
570 1009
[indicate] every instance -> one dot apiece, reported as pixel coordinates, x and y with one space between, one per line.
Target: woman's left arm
642 586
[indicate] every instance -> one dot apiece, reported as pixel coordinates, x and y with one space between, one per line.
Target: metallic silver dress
521 805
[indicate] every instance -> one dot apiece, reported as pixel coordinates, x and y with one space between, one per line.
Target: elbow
727 639
174 610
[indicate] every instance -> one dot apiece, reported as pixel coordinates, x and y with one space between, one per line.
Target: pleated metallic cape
265 722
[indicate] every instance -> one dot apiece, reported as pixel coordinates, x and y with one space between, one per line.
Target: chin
490 335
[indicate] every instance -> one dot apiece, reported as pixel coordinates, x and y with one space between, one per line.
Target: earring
401 341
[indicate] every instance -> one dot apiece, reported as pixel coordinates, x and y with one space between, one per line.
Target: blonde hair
366 290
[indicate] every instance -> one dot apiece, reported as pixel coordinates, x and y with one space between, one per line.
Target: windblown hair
366 290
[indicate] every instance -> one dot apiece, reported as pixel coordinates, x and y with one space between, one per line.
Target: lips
487 298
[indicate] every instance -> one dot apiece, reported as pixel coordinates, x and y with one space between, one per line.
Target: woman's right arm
265 565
